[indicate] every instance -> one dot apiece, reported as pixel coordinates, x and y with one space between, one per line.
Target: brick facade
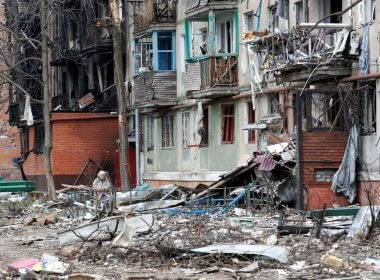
9 144
77 137
322 150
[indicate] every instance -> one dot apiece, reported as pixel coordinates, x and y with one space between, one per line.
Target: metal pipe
357 77
299 149
137 142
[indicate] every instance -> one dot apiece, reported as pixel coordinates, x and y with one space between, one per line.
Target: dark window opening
323 111
204 134
228 124
251 119
274 103
24 140
336 6
39 139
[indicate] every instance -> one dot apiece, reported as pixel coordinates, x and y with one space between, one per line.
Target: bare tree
121 95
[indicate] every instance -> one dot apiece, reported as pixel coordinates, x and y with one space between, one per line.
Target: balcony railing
302 46
154 12
211 73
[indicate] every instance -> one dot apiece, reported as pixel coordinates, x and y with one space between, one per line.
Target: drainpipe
137 137
300 182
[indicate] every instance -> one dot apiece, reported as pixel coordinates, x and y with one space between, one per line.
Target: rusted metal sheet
193 76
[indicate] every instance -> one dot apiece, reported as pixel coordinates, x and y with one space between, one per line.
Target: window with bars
39 139
167 131
228 124
323 111
150 133
251 119
185 129
204 135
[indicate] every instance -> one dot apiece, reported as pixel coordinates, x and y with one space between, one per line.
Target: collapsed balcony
304 52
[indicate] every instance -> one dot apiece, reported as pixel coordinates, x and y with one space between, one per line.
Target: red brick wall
76 138
318 147
9 142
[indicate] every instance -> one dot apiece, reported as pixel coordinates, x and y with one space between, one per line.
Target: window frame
205 123
167 131
251 118
309 102
229 121
185 119
39 139
146 62
150 133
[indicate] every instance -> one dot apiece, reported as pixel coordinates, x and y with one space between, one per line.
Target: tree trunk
47 103
122 99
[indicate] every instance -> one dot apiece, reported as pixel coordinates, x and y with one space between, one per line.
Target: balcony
304 53
153 13
196 7
212 77
155 89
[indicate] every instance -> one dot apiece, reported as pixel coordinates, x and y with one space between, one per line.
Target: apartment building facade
239 66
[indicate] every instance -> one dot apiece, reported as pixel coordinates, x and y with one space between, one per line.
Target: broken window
300 17
204 134
24 140
335 6
225 38
39 139
324 174
323 111
228 124
251 119
274 104
367 95
167 131
185 129
222 34
143 54
150 133
274 21
249 21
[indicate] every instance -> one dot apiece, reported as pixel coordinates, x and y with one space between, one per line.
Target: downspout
137 137
299 150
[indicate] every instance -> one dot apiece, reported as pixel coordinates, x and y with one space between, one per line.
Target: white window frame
167 129
150 133
146 61
220 32
185 129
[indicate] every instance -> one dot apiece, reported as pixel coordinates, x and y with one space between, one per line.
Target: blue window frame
155 52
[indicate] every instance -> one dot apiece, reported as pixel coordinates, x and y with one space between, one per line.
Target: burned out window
39 139
225 38
367 97
24 136
228 123
150 133
167 131
274 104
185 129
323 111
251 119
204 130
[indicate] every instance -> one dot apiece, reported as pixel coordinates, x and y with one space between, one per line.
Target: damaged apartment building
218 81
81 80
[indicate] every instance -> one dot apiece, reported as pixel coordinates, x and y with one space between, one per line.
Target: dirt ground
22 237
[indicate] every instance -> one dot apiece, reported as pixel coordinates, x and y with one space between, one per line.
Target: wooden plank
333 212
70 187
